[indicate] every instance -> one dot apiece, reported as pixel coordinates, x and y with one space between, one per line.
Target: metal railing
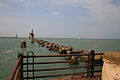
18 71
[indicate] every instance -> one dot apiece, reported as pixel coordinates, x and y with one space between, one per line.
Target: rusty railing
18 71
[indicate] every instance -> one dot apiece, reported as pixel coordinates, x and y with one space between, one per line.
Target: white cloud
67 2
55 14
29 3
26 3
99 10
103 10
100 13
2 5
32 3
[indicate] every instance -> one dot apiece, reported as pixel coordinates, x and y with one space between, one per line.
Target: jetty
92 60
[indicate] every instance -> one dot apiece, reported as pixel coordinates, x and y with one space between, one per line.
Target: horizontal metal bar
51 62
60 55
97 65
15 68
99 53
19 76
35 56
18 72
54 75
55 69
98 71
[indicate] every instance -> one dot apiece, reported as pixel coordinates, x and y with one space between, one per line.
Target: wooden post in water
32 36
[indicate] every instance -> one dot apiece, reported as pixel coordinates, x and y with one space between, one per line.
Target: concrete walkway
97 77
79 78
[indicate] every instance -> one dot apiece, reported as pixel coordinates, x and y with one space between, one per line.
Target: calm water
9 48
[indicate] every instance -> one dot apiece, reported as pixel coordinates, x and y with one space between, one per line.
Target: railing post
92 53
32 62
21 64
88 68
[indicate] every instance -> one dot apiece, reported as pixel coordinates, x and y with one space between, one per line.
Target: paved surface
97 77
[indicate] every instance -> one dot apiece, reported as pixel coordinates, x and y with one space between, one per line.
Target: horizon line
62 37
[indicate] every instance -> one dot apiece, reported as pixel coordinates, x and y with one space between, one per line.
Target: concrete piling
68 57
23 44
61 49
74 58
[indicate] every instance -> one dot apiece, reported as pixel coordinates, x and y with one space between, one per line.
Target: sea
10 47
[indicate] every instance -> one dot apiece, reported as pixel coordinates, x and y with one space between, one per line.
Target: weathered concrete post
74 58
32 36
23 44
68 57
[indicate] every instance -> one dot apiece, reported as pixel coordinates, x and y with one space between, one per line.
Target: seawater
9 49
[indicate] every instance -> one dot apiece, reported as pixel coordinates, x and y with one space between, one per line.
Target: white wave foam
8 51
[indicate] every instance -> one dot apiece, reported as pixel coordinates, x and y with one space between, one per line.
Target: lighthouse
32 36
16 36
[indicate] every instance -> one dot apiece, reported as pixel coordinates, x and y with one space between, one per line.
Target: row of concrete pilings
64 50
61 49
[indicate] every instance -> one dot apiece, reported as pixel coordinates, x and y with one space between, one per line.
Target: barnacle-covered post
32 36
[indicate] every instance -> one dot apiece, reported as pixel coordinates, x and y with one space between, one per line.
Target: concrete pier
111 66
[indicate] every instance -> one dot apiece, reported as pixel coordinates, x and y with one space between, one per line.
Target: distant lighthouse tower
16 36
32 36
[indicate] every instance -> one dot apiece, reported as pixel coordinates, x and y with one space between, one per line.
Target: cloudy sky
61 18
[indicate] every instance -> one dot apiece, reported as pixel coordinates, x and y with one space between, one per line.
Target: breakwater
61 49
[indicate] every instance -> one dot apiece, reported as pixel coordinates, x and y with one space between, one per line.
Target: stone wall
111 66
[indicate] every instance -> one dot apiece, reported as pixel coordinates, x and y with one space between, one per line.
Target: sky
60 18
